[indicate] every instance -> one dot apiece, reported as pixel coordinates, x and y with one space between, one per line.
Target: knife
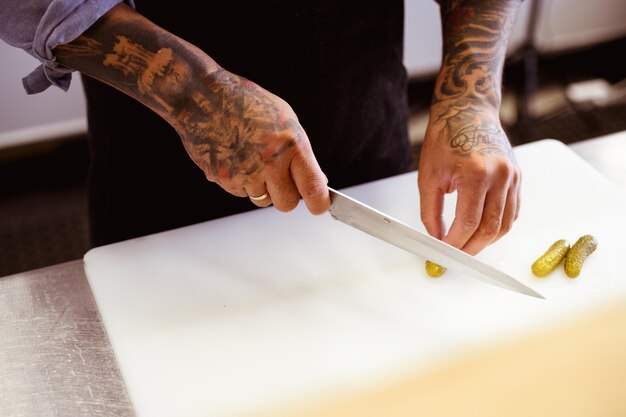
378 224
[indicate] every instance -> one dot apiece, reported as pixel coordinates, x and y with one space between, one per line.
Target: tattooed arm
465 148
244 138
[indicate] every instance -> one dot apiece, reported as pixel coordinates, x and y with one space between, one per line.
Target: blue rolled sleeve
38 26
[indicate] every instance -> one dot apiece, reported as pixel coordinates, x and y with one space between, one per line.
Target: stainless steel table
55 357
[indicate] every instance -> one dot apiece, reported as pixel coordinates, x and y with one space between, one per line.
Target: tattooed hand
249 142
244 138
465 150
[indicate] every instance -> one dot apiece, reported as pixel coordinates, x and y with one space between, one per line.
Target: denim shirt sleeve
38 26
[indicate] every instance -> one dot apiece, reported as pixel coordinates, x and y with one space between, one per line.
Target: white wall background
27 118
562 25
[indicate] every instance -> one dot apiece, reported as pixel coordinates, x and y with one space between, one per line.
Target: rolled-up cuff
45 76
63 22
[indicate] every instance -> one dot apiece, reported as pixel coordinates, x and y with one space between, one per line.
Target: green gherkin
575 258
434 270
548 262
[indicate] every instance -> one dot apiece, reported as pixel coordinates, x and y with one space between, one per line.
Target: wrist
457 106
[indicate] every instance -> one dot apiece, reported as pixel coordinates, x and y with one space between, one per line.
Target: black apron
339 65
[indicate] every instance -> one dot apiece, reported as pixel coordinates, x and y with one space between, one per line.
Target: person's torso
339 64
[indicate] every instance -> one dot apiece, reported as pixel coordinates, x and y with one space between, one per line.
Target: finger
284 192
431 210
311 183
490 222
469 212
236 191
510 212
229 187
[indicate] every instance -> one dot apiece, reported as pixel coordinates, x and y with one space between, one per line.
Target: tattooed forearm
118 54
475 34
133 55
230 126
466 99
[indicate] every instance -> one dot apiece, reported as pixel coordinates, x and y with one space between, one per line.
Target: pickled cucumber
548 262
434 270
576 256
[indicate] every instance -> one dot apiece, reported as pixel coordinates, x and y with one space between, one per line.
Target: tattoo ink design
82 47
230 127
149 69
485 137
469 80
234 126
467 130
474 49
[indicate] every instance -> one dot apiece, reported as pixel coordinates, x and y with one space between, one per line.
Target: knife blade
383 226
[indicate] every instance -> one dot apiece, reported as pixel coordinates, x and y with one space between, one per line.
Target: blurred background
564 79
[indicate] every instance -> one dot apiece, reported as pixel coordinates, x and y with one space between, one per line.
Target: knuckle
469 223
492 227
317 199
504 168
479 176
506 227
481 169
238 192
315 190
286 206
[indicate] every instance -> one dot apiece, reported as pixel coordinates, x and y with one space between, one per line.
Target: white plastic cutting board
265 309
